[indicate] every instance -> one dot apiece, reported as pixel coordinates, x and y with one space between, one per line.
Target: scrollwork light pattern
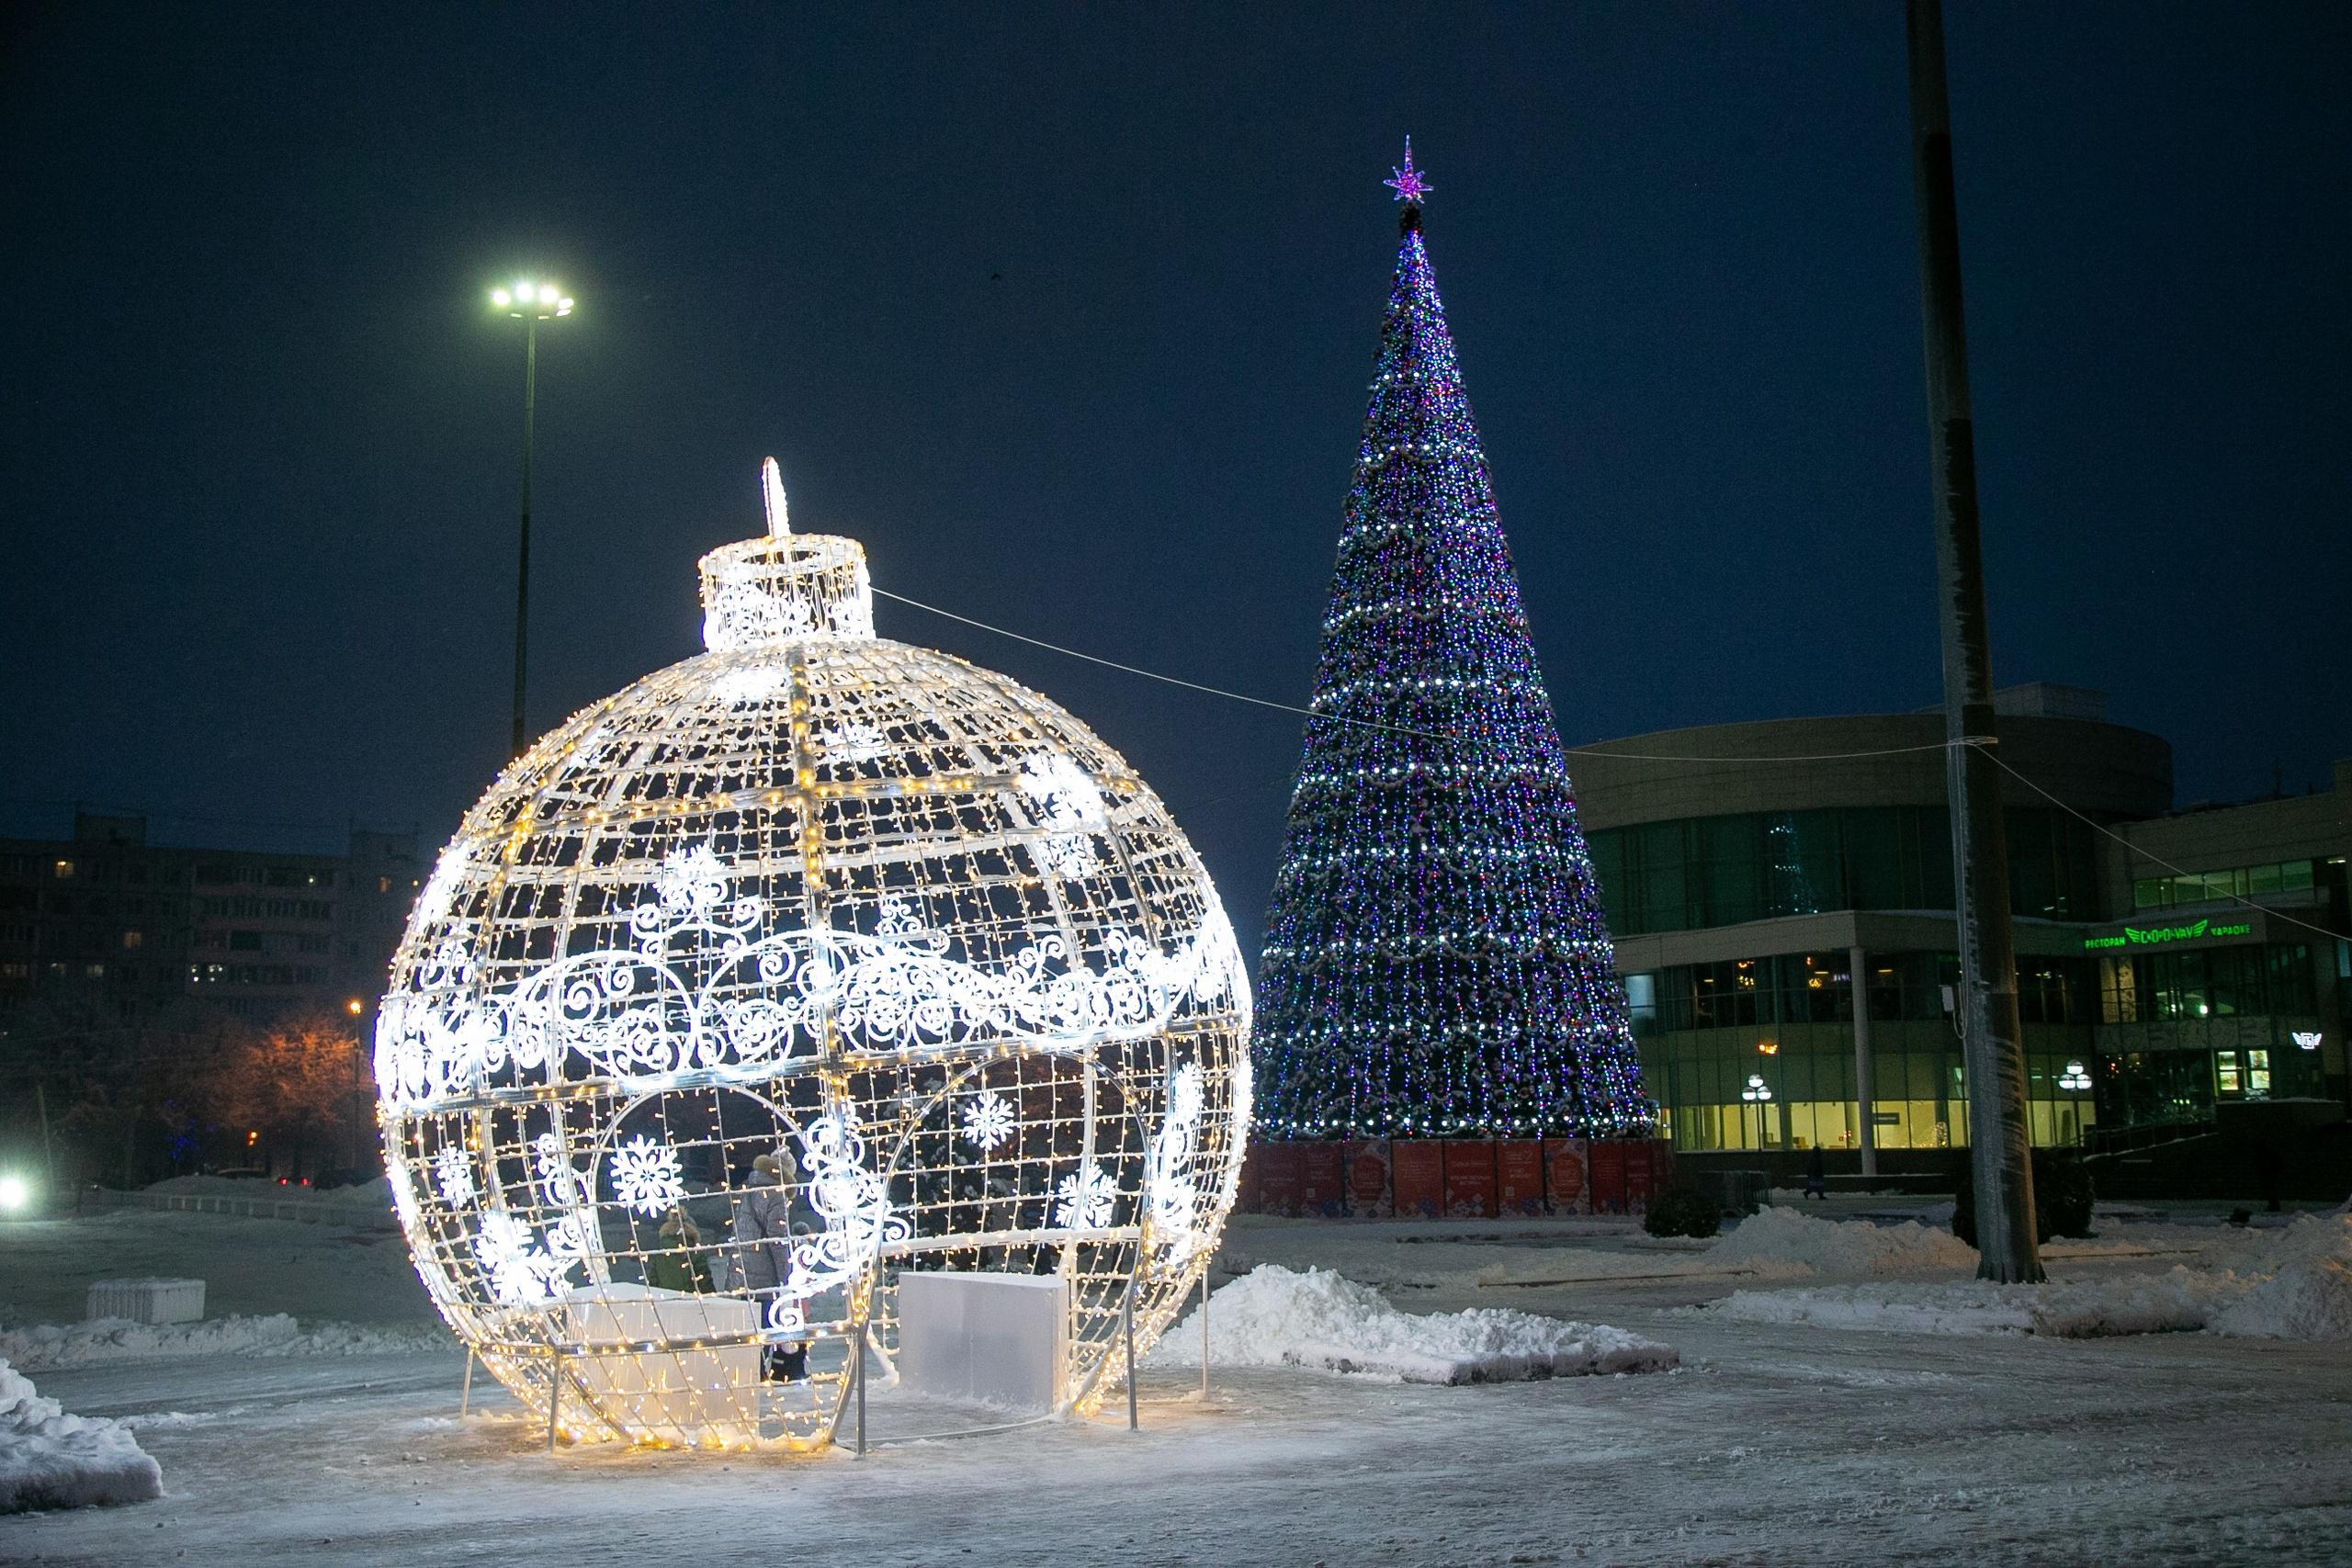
812 959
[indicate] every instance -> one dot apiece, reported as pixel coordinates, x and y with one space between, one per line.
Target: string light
1436 959
809 961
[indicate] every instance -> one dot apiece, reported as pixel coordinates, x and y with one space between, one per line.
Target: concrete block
146 1301
996 1339
685 1393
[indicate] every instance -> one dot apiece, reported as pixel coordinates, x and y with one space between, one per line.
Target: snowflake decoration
1069 856
646 1177
987 1121
453 1173
1083 1198
852 742
518 1270
739 688
1060 791
1061 796
692 884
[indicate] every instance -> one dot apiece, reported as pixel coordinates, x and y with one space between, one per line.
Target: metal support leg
555 1396
860 1353
1204 1333
465 1389
1128 1328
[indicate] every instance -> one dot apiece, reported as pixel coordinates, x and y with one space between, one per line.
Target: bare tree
298 1081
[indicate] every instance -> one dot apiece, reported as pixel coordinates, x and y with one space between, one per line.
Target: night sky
1069 316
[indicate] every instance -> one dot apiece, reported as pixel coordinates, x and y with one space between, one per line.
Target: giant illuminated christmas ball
808 962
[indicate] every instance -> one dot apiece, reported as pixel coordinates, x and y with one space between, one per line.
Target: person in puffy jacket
763 1222
764 1230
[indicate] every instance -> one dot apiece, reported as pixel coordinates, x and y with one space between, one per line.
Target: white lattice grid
897 916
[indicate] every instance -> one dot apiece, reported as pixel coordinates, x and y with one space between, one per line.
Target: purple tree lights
1436 959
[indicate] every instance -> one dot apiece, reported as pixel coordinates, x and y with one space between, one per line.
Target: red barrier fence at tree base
1369 1194
1469 1179
1518 1177
1416 1174
1322 1181
1461 1178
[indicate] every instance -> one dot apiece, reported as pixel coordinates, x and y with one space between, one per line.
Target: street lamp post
2074 1080
1760 1094
529 303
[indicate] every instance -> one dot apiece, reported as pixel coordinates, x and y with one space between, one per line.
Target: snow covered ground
1772 1442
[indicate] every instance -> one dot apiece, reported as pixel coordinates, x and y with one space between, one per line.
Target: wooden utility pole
1991 1047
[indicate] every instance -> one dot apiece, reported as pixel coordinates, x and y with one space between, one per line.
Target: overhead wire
2147 855
1396 728
1986 743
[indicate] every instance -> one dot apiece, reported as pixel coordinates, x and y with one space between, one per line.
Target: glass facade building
1787 935
1722 870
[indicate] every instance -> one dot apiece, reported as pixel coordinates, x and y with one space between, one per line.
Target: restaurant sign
2206 930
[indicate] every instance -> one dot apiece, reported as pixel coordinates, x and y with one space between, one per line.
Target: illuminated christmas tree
1436 959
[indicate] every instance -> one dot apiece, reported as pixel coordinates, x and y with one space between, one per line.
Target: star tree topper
1410 187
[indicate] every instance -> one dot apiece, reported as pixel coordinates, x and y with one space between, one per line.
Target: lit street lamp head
532 301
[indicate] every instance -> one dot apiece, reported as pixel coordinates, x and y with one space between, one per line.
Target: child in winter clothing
677 1265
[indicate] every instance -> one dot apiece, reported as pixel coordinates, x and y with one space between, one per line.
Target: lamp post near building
1760 1094
2076 1081
530 303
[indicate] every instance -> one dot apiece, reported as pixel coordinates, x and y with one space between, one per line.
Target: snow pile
51 1459
45 1344
2307 1293
2296 1284
1277 1316
376 1193
1782 1240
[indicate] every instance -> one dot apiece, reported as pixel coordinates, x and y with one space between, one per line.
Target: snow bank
41 1346
1277 1316
374 1194
2144 1304
1782 1240
2296 1283
227 1186
51 1459
2304 1288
